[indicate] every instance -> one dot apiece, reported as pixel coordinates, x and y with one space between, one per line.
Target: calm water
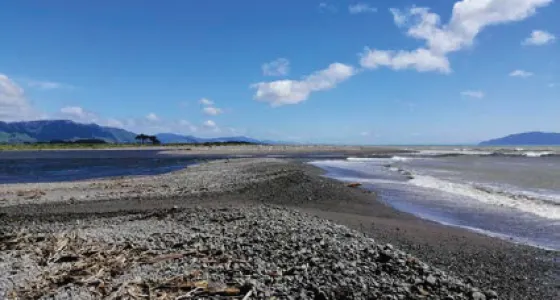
53 166
513 197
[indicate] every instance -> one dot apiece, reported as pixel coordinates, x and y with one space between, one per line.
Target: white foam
536 153
533 206
435 152
400 158
366 159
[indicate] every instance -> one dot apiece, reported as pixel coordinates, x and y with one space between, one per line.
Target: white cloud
539 38
278 67
473 94
212 111
13 103
152 117
520 73
398 17
420 59
209 124
468 19
78 114
47 85
205 101
359 8
326 7
551 85
365 133
186 124
114 123
282 92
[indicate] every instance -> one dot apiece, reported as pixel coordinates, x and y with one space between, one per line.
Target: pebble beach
246 228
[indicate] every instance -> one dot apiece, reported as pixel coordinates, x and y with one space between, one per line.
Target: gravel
246 185
213 176
264 250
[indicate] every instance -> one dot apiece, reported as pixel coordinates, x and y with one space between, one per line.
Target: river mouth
439 195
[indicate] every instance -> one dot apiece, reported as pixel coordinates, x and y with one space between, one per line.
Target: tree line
151 138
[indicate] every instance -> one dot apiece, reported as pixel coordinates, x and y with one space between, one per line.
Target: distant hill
525 139
172 138
48 130
65 130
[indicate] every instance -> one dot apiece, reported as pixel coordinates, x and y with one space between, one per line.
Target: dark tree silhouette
154 140
141 137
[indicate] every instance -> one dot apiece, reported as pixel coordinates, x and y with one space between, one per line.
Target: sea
508 193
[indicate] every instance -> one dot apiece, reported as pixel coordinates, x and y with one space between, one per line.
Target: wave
537 206
379 159
366 159
538 154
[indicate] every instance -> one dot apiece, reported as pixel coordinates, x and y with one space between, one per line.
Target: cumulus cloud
282 92
277 67
79 114
468 19
152 117
360 8
422 60
539 38
212 111
13 103
205 101
473 94
520 73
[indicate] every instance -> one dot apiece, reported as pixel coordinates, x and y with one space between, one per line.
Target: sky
345 72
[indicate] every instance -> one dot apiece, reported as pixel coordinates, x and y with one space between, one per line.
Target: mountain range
49 130
526 139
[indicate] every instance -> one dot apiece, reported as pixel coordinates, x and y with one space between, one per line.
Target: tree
154 140
141 137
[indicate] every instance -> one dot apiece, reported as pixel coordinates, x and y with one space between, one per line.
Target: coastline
514 271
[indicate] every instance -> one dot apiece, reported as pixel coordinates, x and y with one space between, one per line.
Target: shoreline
514 271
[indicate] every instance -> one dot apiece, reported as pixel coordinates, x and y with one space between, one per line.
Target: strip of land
256 228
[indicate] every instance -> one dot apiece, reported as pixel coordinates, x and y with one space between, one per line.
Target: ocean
511 193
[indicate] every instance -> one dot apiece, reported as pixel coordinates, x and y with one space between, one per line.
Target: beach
256 227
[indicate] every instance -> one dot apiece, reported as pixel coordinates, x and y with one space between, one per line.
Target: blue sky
360 72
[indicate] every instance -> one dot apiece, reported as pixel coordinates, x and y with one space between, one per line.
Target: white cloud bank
468 19
13 103
539 38
277 67
283 92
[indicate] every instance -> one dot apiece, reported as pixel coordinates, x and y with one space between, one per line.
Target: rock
491 294
431 280
354 184
476 295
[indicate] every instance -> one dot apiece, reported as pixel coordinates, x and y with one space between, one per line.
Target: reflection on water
53 170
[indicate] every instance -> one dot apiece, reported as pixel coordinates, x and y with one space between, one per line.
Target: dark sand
514 271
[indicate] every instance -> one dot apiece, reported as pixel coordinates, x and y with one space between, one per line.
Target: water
513 196
70 165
